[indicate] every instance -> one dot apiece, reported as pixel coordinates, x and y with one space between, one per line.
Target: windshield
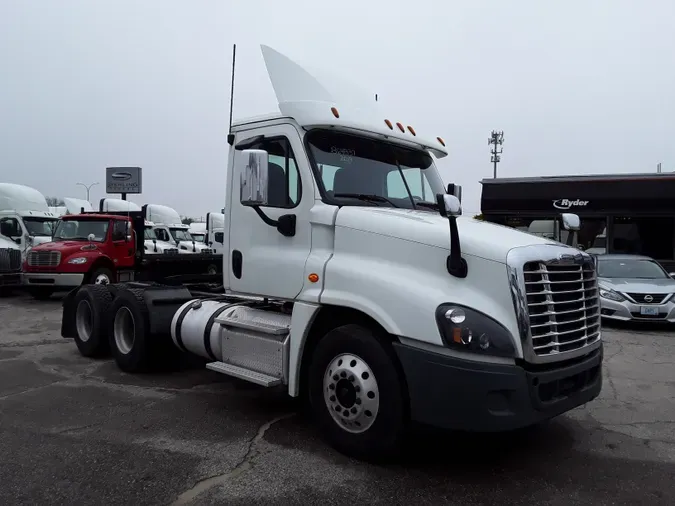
360 171
180 234
79 230
40 226
149 234
631 269
197 237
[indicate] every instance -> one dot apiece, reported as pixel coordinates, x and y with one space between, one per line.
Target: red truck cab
85 248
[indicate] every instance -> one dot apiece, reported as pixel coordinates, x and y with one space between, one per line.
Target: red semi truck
103 248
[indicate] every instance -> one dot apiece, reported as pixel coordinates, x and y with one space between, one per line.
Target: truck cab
86 248
215 232
24 216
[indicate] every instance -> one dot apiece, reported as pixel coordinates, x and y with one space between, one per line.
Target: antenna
375 97
230 135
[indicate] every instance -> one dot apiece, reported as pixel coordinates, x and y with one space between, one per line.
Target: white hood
478 238
7 243
161 246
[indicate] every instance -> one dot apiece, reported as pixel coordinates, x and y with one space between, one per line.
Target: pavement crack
242 466
29 390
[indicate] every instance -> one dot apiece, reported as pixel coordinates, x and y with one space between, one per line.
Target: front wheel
101 276
357 393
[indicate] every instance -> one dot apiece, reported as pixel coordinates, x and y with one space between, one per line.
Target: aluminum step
245 374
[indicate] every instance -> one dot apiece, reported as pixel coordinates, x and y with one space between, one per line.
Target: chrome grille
10 260
563 305
648 298
43 258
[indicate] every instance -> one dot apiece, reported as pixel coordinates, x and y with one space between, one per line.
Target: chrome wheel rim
124 330
351 393
84 320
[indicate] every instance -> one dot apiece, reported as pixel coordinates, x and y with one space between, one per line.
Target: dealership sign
565 204
123 180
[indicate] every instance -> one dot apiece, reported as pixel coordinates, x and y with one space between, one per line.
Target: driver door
123 244
263 261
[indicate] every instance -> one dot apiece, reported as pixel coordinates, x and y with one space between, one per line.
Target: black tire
385 437
92 303
100 272
41 293
129 331
115 288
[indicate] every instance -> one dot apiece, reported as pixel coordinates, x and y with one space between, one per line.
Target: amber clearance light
400 127
335 112
441 141
388 123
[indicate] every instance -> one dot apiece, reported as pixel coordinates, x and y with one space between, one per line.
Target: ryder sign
123 180
569 203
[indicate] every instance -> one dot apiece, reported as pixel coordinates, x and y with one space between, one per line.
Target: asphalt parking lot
79 431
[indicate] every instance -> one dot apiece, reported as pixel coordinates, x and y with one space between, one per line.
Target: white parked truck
25 216
152 244
352 281
169 227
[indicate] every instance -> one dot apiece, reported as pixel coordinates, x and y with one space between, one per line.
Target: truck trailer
352 281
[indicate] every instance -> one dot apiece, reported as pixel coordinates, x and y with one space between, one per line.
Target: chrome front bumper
55 279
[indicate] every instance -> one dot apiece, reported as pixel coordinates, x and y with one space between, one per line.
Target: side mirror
571 221
130 238
448 205
254 177
91 237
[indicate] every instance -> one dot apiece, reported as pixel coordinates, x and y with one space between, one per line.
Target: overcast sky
577 86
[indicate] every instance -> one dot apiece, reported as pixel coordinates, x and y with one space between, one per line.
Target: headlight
78 260
466 329
606 293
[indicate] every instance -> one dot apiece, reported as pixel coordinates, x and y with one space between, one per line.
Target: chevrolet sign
123 180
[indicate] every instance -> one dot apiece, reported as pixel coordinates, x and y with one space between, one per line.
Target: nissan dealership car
635 287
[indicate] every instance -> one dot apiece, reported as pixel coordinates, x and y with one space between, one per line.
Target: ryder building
620 213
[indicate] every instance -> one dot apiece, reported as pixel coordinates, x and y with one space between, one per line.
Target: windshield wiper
365 197
430 205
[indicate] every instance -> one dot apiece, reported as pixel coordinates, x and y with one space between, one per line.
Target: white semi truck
25 216
169 227
352 281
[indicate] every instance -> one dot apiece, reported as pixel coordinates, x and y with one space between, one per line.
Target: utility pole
87 187
496 139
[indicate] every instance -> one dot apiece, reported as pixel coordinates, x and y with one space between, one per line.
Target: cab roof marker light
388 123
441 141
400 127
411 130
335 112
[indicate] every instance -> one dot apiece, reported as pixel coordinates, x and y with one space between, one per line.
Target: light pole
87 187
496 140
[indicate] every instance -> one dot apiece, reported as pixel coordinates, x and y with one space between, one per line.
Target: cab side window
119 232
10 227
219 237
284 188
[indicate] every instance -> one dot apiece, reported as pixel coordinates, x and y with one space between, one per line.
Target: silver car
635 287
